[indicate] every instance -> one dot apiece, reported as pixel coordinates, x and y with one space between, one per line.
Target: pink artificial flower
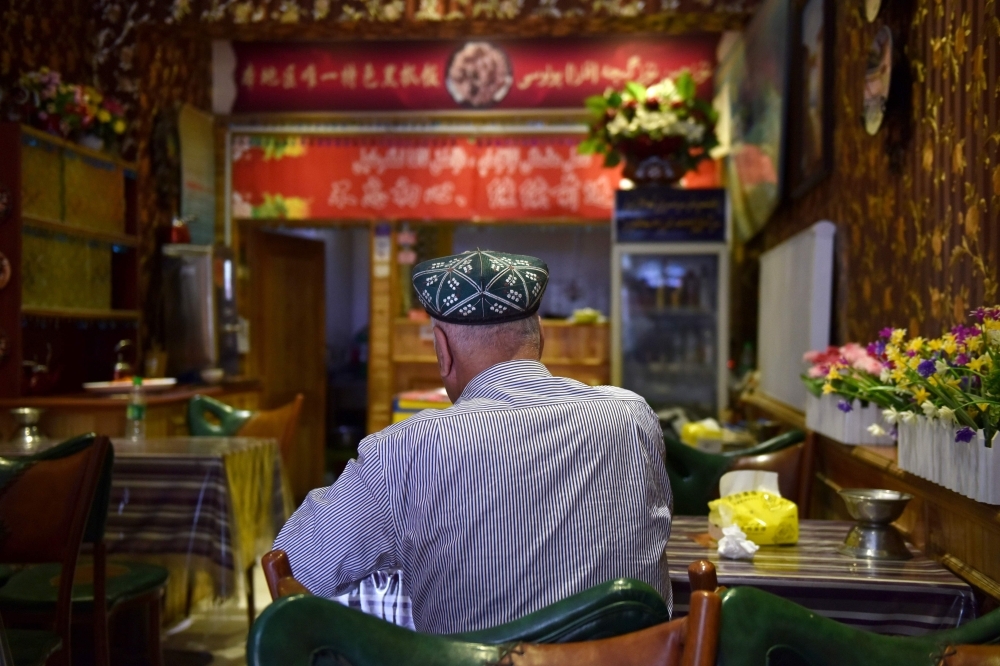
852 352
817 371
868 364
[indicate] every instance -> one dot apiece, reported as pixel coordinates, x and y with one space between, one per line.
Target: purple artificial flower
964 434
894 433
885 332
911 353
962 359
926 368
844 406
980 314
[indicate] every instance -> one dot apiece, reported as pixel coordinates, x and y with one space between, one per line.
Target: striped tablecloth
204 507
903 598
911 597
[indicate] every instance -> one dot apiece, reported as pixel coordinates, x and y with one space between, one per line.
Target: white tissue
747 480
735 545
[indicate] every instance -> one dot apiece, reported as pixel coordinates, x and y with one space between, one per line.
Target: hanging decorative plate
4 271
877 79
872 8
6 202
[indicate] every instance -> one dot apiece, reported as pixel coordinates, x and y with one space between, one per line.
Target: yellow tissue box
766 518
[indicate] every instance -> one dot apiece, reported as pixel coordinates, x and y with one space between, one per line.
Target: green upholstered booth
759 629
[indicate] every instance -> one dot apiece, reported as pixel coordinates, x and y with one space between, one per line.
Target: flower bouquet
74 112
662 131
948 430
843 399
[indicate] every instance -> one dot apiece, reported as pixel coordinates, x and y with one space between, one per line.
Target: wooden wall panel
917 219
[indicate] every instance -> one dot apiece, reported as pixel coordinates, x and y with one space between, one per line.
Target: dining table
898 597
205 508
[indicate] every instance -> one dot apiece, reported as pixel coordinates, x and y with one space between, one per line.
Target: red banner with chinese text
327 178
474 74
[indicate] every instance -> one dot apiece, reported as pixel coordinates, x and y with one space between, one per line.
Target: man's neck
470 371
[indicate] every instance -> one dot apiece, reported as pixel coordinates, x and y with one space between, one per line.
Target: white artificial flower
876 430
930 411
907 417
618 125
941 366
946 414
885 376
891 416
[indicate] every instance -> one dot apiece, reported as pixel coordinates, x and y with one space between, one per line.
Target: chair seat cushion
37 587
32 648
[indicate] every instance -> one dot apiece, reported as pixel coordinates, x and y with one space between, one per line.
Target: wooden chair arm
702 576
278 573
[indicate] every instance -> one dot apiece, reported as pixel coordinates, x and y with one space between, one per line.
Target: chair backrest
756 626
280 423
786 462
302 629
230 419
694 474
45 502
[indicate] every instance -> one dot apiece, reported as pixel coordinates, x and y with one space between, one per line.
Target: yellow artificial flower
935 344
828 388
948 344
952 383
982 406
920 395
976 364
119 127
974 344
897 336
933 380
893 354
899 374
103 115
834 372
913 362
915 344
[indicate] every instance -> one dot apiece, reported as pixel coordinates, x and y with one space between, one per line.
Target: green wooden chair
301 630
610 609
694 474
230 419
99 589
760 629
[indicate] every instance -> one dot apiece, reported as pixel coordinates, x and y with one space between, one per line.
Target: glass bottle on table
135 413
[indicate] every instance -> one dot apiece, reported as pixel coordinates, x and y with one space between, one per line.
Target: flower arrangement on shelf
76 112
936 396
662 131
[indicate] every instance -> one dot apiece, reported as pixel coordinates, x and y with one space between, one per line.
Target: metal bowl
870 505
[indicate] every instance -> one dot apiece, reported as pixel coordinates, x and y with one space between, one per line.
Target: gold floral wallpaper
51 34
916 205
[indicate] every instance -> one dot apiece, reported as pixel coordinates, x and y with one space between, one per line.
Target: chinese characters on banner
476 74
326 178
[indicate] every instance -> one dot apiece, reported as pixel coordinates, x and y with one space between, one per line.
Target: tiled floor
216 634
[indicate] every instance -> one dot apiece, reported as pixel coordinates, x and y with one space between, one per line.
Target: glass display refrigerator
669 305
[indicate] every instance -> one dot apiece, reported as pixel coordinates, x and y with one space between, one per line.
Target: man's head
464 351
484 305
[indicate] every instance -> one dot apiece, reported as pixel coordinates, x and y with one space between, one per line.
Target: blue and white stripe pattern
529 489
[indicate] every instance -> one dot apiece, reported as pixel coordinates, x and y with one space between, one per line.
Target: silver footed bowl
870 505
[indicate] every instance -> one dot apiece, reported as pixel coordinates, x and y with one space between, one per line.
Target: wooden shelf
84 232
77 148
79 313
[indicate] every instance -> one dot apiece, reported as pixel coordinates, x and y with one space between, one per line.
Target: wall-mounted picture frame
872 8
812 108
878 79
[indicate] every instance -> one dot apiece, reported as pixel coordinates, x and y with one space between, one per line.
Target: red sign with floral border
327 178
473 74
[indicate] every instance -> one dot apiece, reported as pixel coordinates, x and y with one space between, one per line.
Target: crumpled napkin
735 545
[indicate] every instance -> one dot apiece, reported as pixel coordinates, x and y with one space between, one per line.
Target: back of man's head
521 338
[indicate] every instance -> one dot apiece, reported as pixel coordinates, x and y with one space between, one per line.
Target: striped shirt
528 489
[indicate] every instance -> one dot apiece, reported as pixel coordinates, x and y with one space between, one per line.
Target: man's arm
342 533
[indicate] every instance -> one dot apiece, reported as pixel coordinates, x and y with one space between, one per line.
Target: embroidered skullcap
481 286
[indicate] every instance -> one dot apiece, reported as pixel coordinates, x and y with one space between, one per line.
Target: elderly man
528 489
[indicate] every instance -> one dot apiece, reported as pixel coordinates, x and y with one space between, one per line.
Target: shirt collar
502 373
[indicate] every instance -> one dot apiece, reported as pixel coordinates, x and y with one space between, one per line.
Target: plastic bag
766 518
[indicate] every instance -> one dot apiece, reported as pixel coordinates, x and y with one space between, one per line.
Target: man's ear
541 337
445 361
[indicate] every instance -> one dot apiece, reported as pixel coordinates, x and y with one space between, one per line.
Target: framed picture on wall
812 95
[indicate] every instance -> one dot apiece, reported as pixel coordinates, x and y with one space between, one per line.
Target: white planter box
823 416
927 448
